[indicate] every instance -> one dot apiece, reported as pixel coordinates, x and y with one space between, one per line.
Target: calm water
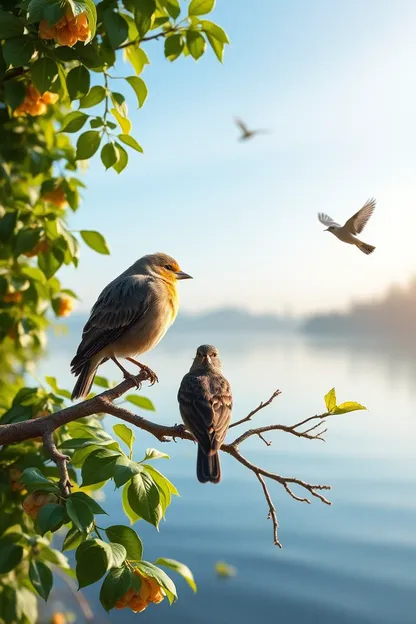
352 563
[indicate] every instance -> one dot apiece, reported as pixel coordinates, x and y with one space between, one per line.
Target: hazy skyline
335 84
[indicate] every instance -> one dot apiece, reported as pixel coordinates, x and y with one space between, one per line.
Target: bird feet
152 377
181 430
132 378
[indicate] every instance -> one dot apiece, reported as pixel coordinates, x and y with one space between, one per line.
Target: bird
205 404
130 316
355 225
246 133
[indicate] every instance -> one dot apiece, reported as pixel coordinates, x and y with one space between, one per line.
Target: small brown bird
246 133
130 316
355 225
205 404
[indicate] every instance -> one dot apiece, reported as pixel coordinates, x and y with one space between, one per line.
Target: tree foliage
62 101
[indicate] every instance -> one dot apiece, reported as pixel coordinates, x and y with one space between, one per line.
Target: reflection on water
353 562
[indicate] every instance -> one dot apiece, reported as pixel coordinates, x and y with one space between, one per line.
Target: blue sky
335 82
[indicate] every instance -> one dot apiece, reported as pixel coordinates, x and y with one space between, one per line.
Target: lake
351 563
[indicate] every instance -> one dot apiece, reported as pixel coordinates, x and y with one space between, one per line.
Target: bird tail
208 467
367 249
84 382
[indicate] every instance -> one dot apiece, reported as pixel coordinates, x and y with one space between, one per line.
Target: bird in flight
355 225
246 133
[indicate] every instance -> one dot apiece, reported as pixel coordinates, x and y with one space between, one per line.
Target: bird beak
180 275
206 358
326 230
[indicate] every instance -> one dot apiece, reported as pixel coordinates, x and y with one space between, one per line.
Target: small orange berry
50 98
64 306
137 605
56 196
58 618
46 31
13 297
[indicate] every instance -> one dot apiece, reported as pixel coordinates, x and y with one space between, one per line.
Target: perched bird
205 404
130 316
355 225
246 133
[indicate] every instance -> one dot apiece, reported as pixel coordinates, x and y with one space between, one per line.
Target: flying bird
355 225
130 316
205 404
246 133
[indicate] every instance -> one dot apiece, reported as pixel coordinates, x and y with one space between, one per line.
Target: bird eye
168 267
214 355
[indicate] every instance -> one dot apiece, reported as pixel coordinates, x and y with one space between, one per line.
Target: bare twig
272 510
138 41
258 408
105 403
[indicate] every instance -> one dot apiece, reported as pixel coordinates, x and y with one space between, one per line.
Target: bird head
164 266
207 356
330 229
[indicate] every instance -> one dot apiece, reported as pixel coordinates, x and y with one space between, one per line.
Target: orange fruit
13 297
64 306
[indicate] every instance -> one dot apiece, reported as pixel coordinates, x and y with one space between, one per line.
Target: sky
335 82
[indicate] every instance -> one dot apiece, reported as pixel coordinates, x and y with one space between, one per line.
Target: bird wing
120 305
205 403
241 125
357 222
327 220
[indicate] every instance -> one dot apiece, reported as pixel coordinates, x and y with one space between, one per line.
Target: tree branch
104 403
150 38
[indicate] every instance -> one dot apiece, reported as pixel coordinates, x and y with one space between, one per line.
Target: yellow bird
130 316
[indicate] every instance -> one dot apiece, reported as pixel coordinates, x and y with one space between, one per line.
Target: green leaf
125 434
148 569
51 261
101 381
181 569
131 515
50 518
10 555
196 43
8 225
173 8
92 504
72 539
143 496
94 558
123 159
54 556
117 582
137 57
80 514
34 480
14 93
128 538
348 406
43 72
163 485
26 239
200 7
152 453
73 122
173 46
116 27
41 578
140 401
139 87
125 470
131 142
18 51
161 479
33 273
109 155
118 553
96 241
94 96
330 400
214 30
224 569
10 25
87 144
78 82
217 46
124 123
99 466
